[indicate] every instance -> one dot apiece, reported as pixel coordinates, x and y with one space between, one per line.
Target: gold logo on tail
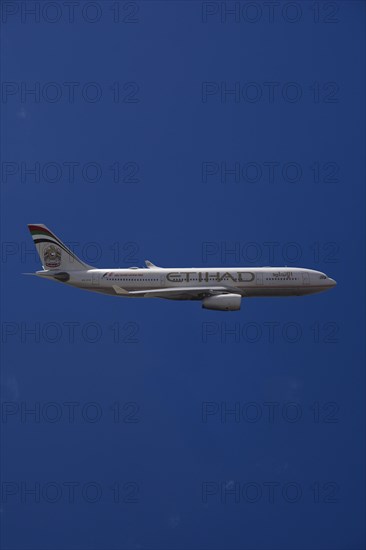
52 256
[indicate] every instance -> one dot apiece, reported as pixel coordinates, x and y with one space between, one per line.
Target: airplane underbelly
274 291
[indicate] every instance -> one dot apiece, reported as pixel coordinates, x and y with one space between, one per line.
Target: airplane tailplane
52 252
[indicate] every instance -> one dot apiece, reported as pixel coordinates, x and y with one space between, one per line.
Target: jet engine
223 302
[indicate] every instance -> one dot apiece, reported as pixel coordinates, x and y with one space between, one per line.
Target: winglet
150 265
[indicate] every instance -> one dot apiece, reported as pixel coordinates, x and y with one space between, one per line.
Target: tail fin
52 252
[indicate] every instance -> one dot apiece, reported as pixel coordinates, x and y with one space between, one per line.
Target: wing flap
119 290
183 293
188 293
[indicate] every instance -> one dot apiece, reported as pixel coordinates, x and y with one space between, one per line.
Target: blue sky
126 150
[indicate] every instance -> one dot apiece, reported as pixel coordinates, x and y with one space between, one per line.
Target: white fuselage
246 281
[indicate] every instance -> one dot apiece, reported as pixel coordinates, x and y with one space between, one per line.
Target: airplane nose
331 282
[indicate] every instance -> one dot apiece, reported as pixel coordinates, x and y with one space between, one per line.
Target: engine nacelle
223 302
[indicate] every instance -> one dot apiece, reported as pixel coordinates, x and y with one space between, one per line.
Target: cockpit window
322 277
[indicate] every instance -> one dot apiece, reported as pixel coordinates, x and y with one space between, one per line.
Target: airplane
217 288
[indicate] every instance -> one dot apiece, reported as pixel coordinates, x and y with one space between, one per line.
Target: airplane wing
184 293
